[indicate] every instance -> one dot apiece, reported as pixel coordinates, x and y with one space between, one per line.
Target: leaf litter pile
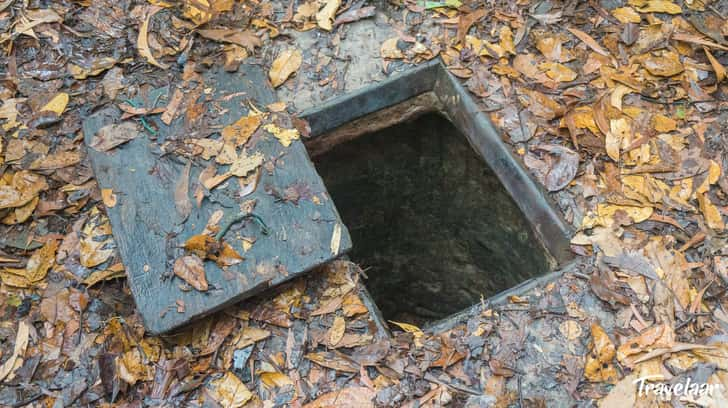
619 108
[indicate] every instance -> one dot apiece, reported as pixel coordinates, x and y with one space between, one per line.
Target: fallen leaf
143 41
336 332
664 64
285 136
711 213
244 38
239 132
325 16
191 270
171 111
720 71
334 360
57 104
360 397
588 40
15 361
245 164
229 391
272 379
115 271
284 66
250 335
619 130
663 124
390 50
558 72
182 202
108 197
97 243
599 366
114 135
656 6
626 15
199 11
570 329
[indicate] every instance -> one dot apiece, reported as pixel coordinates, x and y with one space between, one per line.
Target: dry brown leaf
113 135
588 40
285 65
619 130
626 15
143 40
250 335
108 197
336 332
360 397
57 104
664 64
115 271
711 213
171 111
541 105
244 38
272 379
285 136
599 366
506 40
390 50
325 16
96 244
334 360
720 71
558 72
191 269
182 202
239 132
229 391
15 361
656 6
245 164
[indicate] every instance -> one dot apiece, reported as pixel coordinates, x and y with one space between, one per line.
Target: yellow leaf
199 11
619 130
250 335
570 329
506 40
336 332
599 365
239 132
588 40
57 104
390 50
108 197
96 244
615 99
637 214
273 379
41 261
711 213
663 124
720 71
664 64
15 360
558 72
325 17
284 66
285 136
626 15
656 6
115 271
409 328
143 41
245 164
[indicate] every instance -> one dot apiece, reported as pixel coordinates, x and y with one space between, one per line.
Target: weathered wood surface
149 231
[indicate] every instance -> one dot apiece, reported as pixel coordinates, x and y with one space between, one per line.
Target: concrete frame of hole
431 88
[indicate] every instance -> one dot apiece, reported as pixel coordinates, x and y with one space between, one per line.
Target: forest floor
619 108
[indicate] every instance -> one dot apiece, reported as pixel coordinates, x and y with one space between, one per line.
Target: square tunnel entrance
430 222
441 214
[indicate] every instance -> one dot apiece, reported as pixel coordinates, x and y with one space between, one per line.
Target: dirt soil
619 109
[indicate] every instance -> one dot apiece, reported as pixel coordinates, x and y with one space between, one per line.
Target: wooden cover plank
149 231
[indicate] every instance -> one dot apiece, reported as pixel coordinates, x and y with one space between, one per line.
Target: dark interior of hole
429 220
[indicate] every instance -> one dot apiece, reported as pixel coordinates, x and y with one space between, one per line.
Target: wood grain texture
149 231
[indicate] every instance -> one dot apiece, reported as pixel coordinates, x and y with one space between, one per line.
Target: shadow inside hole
429 220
